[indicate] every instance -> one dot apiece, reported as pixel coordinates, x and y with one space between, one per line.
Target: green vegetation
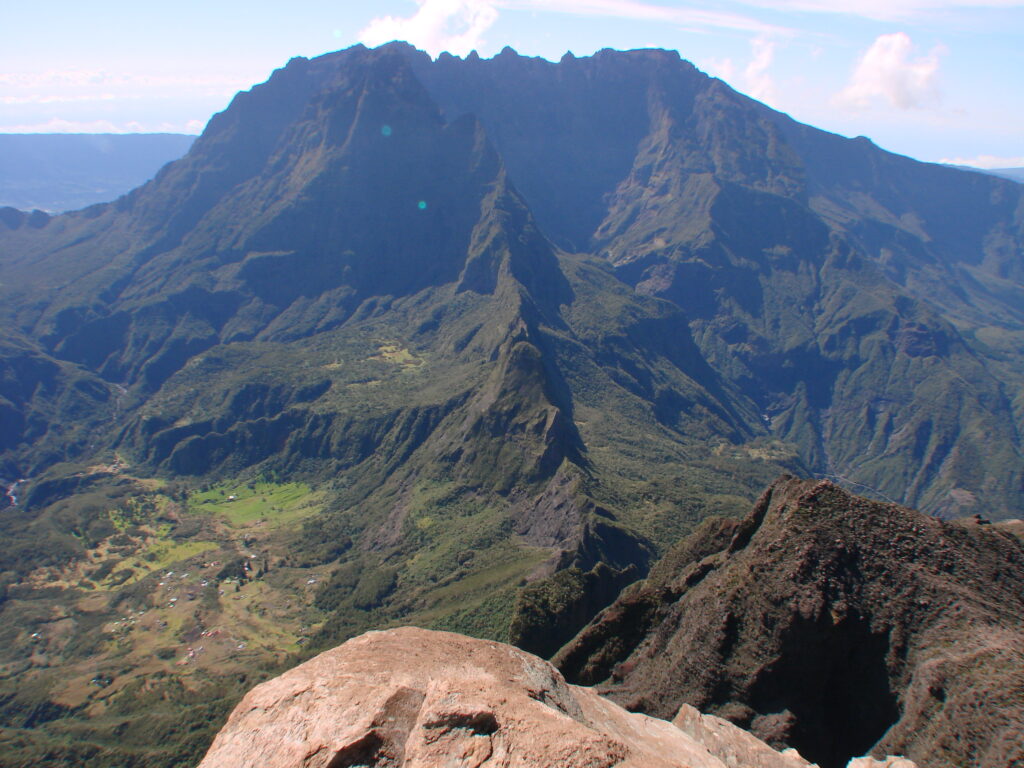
159 554
274 504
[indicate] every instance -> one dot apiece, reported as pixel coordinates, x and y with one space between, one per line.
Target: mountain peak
816 602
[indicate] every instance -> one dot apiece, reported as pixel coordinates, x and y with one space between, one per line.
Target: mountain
1014 174
832 624
833 313
63 172
870 321
466 344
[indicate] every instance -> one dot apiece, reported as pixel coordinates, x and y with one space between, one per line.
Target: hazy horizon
931 79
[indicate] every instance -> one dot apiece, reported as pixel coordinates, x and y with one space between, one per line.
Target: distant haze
1017 174
63 172
927 78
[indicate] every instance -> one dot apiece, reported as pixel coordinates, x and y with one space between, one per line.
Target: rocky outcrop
832 624
415 698
732 745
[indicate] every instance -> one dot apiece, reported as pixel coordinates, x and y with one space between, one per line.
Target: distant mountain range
1017 174
1014 174
65 172
469 343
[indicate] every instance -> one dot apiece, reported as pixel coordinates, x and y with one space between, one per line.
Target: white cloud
58 125
36 98
724 69
97 85
694 18
456 26
881 10
759 83
754 79
888 72
986 161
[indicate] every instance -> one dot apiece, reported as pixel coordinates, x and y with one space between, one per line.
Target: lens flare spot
385 130
422 205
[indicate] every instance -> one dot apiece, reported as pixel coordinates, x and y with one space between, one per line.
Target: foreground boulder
832 624
421 699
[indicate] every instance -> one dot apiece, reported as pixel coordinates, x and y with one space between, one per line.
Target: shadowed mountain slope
844 289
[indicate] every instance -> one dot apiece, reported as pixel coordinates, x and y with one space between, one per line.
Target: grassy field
395 353
274 504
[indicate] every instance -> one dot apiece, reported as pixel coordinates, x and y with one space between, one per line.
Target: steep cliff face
840 287
832 624
50 409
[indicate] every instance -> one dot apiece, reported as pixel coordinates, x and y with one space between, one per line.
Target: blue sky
933 79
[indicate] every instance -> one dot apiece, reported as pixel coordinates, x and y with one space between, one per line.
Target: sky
938 80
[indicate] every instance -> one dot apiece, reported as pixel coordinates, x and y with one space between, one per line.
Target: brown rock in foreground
420 699
830 623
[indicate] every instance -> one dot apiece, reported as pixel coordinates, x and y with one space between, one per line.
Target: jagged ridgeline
465 343
832 624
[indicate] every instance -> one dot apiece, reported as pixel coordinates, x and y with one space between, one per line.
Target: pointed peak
400 48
